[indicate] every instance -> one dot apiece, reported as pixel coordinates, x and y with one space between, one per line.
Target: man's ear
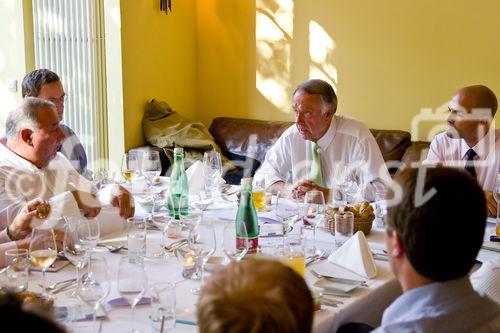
26 135
397 247
330 112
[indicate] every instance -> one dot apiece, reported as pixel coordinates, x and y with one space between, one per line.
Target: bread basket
363 217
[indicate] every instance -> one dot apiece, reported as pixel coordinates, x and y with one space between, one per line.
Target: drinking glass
212 169
313 212
287 211
496 195
381 193
151 165
89 232
162 314
353 182
130 166
132 282
95 285
103 178
136 238
235 248
74 248
344 227
202 242
294 252
43 251
17 270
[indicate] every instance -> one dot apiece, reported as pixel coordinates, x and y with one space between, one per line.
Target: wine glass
151 165
353 182
75 250
130 166
287 211
212 169
43 250
313 211
89 232
132 282
201 241
235 241
96 285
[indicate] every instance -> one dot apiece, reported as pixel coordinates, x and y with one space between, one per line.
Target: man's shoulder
352 127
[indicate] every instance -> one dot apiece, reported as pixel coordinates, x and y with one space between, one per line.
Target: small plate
335 286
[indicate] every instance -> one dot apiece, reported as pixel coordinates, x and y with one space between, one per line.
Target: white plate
334 286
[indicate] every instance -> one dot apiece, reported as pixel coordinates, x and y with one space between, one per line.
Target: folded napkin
355 255
195 177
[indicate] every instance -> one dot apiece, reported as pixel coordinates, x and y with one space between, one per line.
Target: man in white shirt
31 167
470 142
319 146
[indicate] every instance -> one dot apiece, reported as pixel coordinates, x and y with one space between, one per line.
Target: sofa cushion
416 152
246 137
392 143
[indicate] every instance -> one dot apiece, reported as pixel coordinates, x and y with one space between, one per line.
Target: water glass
18 264
136 237
162 314
344 227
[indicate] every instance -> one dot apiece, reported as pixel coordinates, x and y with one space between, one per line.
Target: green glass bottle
179 190
248 216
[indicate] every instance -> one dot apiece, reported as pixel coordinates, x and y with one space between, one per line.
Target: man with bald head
469 141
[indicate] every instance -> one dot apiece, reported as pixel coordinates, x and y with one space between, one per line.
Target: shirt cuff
4 238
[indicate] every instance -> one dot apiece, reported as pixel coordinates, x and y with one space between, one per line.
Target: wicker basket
365 225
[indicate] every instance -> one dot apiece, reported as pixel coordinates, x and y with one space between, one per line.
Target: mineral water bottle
179 190
247 215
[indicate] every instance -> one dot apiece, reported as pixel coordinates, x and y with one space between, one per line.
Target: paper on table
195 177
355 255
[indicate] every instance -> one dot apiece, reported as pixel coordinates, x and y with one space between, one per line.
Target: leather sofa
241 138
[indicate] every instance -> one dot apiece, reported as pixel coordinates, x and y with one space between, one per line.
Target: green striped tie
315 173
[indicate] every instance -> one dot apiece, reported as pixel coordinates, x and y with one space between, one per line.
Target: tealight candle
189 266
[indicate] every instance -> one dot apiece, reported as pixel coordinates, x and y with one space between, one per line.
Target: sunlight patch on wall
321 49
273 33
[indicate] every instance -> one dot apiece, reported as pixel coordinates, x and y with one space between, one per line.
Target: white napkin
195 177
355 255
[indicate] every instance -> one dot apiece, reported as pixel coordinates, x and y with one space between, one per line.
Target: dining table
365 303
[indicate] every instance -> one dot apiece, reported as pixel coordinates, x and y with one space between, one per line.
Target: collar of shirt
327 139
14 159
482 148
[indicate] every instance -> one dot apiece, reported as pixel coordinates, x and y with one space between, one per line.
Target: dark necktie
469 164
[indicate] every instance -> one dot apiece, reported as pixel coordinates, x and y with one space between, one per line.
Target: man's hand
122 199
491 204
87 202
301 187
20 228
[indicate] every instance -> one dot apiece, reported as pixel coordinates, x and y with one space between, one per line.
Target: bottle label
253 244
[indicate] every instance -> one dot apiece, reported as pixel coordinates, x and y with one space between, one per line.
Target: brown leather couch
240 138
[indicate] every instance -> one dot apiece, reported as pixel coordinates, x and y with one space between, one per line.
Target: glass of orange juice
259 198
294 253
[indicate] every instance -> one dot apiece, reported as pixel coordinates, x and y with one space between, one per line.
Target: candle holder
190 264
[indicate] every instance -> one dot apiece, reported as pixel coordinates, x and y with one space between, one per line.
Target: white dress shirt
347 142
22 181
486 280
451 152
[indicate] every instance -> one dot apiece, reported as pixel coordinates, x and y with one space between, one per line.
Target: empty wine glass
75 250
353 182
212 170
313 211
235 241
95 285
201 241
132 282
151 165
130 166
43 251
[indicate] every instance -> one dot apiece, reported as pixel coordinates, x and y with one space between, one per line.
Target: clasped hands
301 187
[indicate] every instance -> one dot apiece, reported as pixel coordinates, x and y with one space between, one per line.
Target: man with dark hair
469 142
45 84
258 296
319 145
433 237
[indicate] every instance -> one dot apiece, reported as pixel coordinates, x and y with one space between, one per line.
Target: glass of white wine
129 168
43 251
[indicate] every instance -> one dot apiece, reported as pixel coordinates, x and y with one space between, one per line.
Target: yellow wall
387 58
16 51
158 59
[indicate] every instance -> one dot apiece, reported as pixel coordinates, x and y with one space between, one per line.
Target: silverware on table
339 280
